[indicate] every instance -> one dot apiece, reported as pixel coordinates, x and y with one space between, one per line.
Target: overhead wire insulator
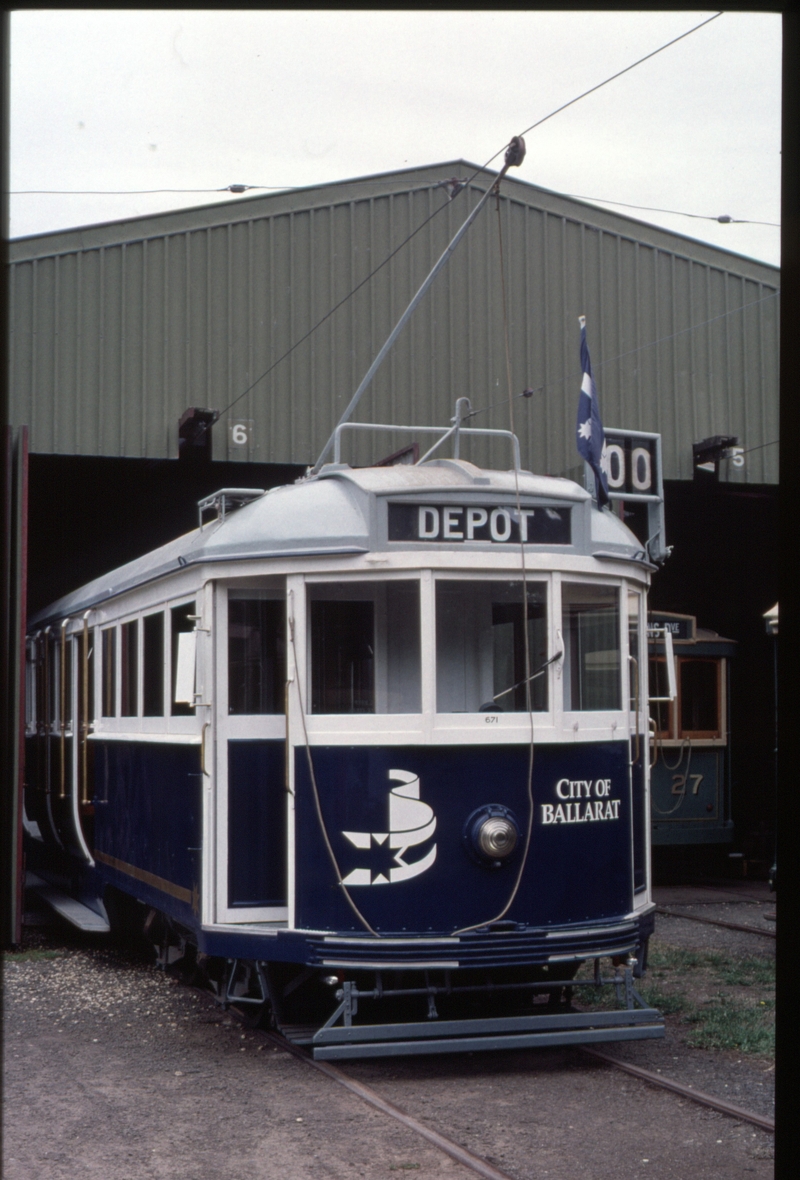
515 152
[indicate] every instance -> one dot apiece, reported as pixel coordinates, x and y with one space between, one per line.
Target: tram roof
333 513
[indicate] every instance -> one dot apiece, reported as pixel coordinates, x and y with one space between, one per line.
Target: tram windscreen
365 647
480 647
591 646
256 653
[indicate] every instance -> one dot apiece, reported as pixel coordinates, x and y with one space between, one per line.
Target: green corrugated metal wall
117 329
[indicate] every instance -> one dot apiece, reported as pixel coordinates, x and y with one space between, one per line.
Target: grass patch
29 956
753 972
696 988
726 1024
672 958
668 1003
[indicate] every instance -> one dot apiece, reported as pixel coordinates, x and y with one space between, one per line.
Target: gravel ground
114 1070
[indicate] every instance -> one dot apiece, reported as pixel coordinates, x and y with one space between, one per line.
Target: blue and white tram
374 746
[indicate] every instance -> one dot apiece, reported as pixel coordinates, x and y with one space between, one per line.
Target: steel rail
461 1154
479 1165
716 922
747 1116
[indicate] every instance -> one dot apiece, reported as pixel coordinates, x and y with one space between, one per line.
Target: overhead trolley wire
228 188
723 218
335 308
619 73
455 193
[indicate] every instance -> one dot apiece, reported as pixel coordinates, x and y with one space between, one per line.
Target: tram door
637 736
56 799
252 863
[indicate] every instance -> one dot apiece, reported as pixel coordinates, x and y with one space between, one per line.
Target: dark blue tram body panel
455 891
585 864
257 799
148 823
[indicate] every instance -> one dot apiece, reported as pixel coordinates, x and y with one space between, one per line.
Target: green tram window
661 711
699 698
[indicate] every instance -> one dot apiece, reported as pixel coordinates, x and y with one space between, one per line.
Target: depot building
155 360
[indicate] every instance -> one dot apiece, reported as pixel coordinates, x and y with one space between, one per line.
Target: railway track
655 1079
477 1164
669 913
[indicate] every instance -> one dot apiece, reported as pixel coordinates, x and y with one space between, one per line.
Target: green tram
690 781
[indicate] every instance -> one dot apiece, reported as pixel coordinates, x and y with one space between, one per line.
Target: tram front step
74 912
462 1036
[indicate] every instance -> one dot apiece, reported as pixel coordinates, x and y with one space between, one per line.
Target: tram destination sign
631 464
443 523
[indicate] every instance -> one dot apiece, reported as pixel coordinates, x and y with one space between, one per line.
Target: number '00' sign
629 469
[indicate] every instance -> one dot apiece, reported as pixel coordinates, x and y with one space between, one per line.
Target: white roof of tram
333 513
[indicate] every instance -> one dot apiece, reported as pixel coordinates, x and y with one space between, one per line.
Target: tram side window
635 676
153 660
365 647
699 709
90 673
183 659
256 653
129 668
85 657
30 686
54 678
480 646
65 683
591 647
109 672
42 695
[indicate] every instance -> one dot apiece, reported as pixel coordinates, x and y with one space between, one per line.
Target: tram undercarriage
390 1012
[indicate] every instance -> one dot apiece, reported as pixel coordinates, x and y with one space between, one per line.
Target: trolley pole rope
514 157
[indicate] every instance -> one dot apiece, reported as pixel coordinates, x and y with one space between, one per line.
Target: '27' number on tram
679 783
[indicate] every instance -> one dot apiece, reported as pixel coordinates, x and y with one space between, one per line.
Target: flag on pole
590 438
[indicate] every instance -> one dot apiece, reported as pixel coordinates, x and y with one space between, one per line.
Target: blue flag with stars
590 438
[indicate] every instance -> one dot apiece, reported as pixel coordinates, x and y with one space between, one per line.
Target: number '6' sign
240 432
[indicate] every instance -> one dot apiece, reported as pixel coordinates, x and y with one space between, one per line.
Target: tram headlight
497 837
491 835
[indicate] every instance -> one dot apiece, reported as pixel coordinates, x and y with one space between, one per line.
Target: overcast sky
127 100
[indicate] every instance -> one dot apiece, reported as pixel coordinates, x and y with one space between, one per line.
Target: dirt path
114 1070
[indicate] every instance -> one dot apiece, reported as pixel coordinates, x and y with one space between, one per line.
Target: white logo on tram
411 822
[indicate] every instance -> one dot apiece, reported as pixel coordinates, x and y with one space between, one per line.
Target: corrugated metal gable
117 329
